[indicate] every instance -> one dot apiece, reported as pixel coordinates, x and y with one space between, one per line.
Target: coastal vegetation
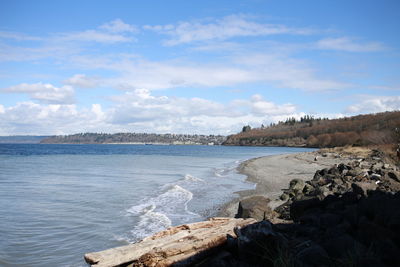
361 130
136 138
21 139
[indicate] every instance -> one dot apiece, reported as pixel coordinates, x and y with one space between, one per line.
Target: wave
192 178
151 222
223 172
228 169
160 212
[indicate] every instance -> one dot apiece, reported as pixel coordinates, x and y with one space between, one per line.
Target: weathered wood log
173 245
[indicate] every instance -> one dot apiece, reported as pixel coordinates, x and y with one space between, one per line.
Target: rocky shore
324 208
346 215
271 174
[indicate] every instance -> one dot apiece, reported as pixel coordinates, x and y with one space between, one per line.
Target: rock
355 172
330 220
254 207
334 171
337 181
375 176
176 244
342 246
363 188
308 189
312 255
365 165
296 185
323 191
394 176
342 167
284 197
386 166
260 243
298 208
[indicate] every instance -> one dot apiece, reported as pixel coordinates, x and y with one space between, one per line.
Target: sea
58 202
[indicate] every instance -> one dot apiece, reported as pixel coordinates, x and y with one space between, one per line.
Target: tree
246 128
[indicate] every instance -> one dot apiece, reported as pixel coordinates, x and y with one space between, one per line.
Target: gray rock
299 207
354 172
386 166
284 197
394 176
375 176
308 188
363 188
254 207
296 185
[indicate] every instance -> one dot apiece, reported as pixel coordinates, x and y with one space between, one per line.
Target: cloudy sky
193 66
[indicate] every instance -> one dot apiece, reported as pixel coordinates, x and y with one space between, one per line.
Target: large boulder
254 207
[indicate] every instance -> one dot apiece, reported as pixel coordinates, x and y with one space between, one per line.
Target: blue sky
193 66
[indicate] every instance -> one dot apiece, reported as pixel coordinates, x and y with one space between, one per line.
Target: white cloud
385 87
94 36
143 110
348 45
21 53
82 81
271 70
44 92
374 104
140 111
221 29
33 118
18 36
118 25
262 107
286 72
140 105
112 32
64 45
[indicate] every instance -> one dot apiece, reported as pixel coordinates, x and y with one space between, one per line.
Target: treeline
21 139
142 138
380 128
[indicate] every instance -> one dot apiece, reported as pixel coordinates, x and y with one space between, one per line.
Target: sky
196 67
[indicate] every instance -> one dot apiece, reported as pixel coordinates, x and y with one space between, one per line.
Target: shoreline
317 223
272 174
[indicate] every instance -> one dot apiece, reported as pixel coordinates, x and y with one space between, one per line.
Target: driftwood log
174 245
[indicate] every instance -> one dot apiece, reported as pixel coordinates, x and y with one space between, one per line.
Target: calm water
58 202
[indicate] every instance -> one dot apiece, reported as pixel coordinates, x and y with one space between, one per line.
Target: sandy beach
271 174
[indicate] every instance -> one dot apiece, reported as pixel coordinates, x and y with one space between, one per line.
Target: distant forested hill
21 139
380 128
142 138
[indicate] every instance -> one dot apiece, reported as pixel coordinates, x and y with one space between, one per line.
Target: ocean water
58 202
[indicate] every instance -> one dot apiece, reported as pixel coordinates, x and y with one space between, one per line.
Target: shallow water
58 202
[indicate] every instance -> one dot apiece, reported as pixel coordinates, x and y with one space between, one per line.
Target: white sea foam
157 213
227 170
151 222
192 178
223 172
